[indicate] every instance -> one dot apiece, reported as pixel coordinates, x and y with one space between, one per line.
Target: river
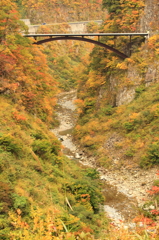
123 190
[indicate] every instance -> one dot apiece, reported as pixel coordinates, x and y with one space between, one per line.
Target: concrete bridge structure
74 27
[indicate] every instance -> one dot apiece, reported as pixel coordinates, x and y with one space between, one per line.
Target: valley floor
131 182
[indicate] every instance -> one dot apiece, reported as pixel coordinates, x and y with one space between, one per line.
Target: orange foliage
154 190
123 17
144 220
95 80
23 67
18 117
62 11
133 116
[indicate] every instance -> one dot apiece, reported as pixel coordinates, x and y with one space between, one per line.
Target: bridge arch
120 54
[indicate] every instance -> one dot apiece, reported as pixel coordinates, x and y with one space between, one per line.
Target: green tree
113 6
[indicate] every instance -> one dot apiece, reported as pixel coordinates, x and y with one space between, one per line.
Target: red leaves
154 190
29 100
144 220
23 69
7 63
155 212
18 117
147 221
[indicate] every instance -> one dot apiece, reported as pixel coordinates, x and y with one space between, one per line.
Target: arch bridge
86 37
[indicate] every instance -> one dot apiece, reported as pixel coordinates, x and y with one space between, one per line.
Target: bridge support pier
130 50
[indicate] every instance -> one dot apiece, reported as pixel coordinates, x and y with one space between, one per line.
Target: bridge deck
84 34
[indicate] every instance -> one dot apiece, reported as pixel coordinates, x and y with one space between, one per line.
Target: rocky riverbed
125 189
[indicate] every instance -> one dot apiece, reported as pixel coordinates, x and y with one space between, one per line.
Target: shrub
153 153
45 148
139 90
84 119
9 144
130 152
152 156
108 110
145 162
129 126
38 135
5 197
148 116
156 182
84 214
92 173
88 187
104 161
21 202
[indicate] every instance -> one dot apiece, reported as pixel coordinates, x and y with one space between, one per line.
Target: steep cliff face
150 17
120 98
148 23
121 88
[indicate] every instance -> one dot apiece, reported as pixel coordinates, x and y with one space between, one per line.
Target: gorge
79 127
125 190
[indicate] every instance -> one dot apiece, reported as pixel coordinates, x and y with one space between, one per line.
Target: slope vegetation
43 195
118 100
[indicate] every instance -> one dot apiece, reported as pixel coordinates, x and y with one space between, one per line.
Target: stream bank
126 189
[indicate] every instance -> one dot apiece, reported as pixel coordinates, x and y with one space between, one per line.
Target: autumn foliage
24 71
33 171
61 11
123 15
43 194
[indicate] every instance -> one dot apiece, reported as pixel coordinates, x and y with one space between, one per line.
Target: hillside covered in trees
60 11
119 102
43 194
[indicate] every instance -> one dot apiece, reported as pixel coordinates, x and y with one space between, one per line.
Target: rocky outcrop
118 93
150 17
152 73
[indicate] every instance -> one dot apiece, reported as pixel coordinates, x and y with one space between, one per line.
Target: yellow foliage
105 125
40 228
152 41
79 102
72 219
95 80
110 42
139 144
87 139
130 60
155 108
120 109
19 189
122 65
133 116
93 125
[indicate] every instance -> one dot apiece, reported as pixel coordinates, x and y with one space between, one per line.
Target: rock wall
149 21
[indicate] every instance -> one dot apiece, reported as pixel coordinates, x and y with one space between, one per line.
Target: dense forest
60 11
43 194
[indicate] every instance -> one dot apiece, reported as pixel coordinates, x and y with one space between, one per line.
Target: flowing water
120 207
